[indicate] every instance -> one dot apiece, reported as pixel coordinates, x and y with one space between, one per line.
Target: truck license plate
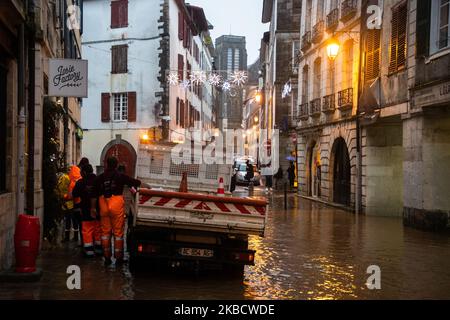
191 252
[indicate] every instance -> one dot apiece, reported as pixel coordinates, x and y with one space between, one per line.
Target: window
373 54
236 59
347 65
230 60
397 59
119 14
180 67
440 16
317 78
119 59
120 107
305 83
180 26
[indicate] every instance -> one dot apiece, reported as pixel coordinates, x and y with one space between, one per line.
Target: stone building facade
279 49
380 148
31 33
327 102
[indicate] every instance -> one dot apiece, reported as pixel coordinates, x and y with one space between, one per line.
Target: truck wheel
234 270
135 264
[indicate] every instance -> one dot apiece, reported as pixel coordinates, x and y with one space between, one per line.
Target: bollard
250 188
285 196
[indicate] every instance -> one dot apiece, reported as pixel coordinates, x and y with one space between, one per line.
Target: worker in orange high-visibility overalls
90 225
109 189
75 218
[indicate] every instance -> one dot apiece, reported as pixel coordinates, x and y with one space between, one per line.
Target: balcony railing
318 30
333 19
329 103
316 105
306 41
348 9
345 99
303 112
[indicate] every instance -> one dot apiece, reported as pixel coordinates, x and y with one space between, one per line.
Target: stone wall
427 171
382 170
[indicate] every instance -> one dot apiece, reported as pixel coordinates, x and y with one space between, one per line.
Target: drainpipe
21 124
31 107
358 195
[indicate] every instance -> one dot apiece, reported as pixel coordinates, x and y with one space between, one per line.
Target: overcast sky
240 17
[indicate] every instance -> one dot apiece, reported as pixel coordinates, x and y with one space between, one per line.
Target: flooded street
309 252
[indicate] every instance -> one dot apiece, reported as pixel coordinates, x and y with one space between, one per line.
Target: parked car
242 171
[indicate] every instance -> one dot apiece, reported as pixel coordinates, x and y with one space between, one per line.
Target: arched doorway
125 154
314 171
341 173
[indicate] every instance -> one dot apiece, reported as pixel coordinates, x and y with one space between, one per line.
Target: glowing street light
258 97
333 49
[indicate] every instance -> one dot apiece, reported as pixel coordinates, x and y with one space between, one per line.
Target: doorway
125 155
341 173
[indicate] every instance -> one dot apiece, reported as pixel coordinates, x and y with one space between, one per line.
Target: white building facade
131 53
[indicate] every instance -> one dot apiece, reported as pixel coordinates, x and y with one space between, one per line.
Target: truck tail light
244 257
148 248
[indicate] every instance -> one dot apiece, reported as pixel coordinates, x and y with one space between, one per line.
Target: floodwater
310 251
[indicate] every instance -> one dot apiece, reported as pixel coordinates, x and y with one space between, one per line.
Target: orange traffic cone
183 184
221 189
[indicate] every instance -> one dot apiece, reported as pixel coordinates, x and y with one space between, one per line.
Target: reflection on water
312 252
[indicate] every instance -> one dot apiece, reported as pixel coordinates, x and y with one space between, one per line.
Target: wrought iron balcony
306 41
329 103
316 107
318 30
303 112
345 99
333 19
348 9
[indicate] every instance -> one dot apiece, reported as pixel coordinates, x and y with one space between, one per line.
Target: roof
198 17
267 11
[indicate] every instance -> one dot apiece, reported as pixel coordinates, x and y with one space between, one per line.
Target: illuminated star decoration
286 90
172 79
239 78
226 86
186 84
198 77
214 79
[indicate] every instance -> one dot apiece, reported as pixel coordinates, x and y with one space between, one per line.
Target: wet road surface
310 251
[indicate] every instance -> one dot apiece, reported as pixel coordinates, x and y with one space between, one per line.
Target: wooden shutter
180 67
123 13
119 14
182 116
131 106
106 107
177 116
119 61
373 54
185 33
398 47
423 28
180 25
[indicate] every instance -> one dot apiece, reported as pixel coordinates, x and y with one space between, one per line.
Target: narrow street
310 251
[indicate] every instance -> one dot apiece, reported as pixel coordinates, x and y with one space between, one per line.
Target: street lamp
333 49
258 97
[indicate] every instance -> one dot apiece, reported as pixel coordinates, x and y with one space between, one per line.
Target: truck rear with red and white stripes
195 229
